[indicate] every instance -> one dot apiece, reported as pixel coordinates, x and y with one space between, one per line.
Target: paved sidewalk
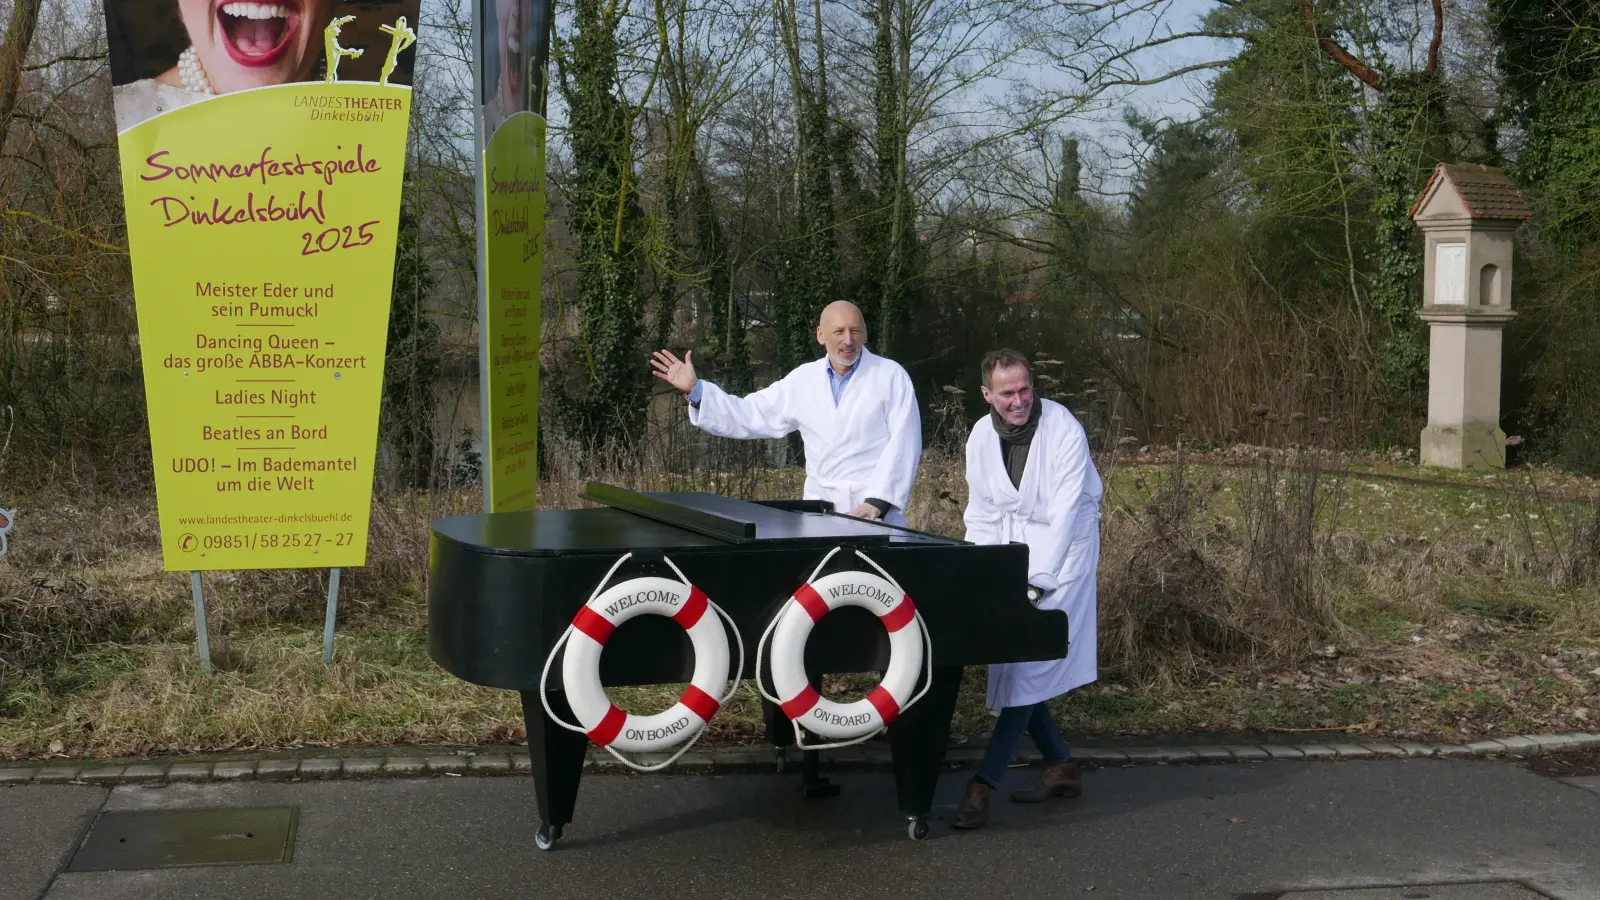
1290 829
508 760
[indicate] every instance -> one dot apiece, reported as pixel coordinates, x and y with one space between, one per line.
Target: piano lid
659 520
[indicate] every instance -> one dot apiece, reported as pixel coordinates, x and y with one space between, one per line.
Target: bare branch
97 57
1338 53
1168 76
76 235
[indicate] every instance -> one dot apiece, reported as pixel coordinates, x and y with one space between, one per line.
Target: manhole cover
1500 890
175 838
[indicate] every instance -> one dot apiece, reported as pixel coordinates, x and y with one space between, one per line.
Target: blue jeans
1007 737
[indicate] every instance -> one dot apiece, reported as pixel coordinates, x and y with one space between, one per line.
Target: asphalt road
1253 830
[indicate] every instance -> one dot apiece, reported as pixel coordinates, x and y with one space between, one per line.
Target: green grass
1452 625
273 691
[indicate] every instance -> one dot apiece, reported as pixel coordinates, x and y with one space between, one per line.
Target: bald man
855 411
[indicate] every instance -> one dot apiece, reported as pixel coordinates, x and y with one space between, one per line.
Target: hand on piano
865 511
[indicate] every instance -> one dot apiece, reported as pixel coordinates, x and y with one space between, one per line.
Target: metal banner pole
333 614
201 636
479 141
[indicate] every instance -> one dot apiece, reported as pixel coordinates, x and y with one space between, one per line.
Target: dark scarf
1015 439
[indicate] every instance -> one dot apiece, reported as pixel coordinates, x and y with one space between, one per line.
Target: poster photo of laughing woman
515 37
167 54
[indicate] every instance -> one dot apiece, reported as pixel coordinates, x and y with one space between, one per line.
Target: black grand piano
503 587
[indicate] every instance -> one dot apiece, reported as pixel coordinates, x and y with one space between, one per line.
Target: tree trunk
805 281
412 361
895 311
607 223
880 278
1409 125
13 55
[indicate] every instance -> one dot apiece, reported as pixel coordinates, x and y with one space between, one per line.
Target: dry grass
1288 593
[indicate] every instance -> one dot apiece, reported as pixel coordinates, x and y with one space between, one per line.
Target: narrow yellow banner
262 227
513 200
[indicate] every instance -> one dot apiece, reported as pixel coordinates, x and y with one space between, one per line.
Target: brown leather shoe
1059 780
974 809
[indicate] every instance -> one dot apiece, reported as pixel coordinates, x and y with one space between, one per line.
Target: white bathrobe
1056 512
867 446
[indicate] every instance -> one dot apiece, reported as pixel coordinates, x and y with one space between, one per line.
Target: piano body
503 587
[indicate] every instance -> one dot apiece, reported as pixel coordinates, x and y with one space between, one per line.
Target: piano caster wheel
547 835
917 828
780 760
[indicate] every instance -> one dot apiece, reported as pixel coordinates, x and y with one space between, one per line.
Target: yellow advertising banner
514 248
262 227
512 51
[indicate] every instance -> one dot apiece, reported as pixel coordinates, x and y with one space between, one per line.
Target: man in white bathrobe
1030 479
856 413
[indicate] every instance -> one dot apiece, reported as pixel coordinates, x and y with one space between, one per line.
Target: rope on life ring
601 720
846 723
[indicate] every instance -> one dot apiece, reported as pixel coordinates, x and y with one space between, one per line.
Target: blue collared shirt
837 382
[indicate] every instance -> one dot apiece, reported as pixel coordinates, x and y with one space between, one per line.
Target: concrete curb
411 762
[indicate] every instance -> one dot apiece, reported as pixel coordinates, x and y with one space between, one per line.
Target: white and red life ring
606 723
613 728
801 703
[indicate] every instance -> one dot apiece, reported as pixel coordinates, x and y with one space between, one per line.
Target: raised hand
674 371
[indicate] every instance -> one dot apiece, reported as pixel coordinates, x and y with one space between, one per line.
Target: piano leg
778 731
918 740
812 783
557 756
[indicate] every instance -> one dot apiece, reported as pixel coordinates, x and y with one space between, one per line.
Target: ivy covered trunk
819 253
892 61
608 225
876 213
1409 129
1549 56
808 259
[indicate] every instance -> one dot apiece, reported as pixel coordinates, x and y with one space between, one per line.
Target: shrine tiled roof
1484 190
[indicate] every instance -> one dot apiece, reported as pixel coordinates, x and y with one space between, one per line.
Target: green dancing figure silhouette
403 37
332 52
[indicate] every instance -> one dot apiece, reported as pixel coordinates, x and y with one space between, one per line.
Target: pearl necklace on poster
191 74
